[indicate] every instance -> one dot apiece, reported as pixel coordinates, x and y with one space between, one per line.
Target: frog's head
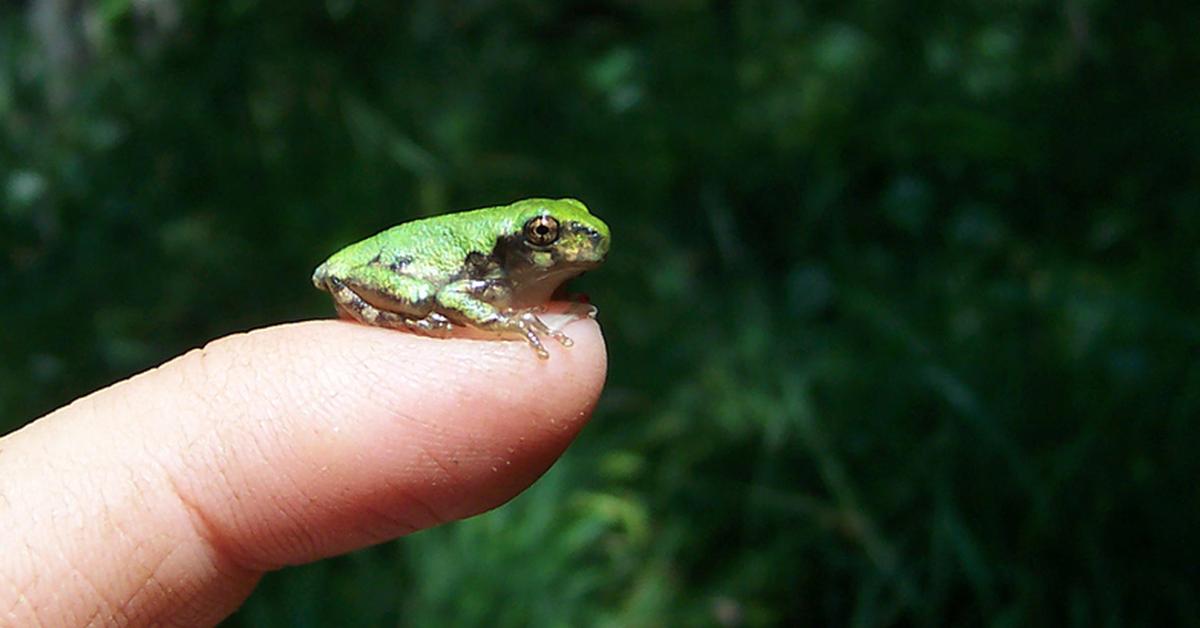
552 235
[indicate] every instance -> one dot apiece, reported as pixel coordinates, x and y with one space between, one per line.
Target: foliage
901 308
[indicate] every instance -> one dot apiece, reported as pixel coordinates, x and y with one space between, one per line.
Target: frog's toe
533 322
535 343
581 310
562 338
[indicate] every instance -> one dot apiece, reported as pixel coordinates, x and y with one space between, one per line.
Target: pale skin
163 499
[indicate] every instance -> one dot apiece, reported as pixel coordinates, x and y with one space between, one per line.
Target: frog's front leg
410 317
466 300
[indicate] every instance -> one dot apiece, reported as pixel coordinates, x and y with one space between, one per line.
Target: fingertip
276 447
359 434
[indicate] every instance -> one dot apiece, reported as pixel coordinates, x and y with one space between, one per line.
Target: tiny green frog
491 269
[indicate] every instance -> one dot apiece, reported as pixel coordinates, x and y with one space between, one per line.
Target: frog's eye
541 230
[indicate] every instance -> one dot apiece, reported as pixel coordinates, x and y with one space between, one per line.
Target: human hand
164 498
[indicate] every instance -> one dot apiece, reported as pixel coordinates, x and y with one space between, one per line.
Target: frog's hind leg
349 303
357 308
433 324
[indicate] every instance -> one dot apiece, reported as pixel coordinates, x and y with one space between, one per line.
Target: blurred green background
901 308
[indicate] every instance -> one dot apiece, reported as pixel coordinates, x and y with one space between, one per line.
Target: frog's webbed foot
528 324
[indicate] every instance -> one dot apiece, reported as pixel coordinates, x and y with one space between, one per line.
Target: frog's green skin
492 269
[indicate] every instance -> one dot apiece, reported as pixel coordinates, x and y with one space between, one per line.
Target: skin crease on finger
163 499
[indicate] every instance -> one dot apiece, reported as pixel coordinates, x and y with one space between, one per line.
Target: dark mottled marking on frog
399 263
478 266
580 228
396 265
512 253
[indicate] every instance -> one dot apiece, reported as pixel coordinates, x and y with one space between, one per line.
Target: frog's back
432 247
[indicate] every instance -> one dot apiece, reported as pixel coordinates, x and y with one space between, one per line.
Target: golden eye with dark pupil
541 230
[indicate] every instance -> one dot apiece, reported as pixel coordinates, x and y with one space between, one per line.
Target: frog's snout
318 277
